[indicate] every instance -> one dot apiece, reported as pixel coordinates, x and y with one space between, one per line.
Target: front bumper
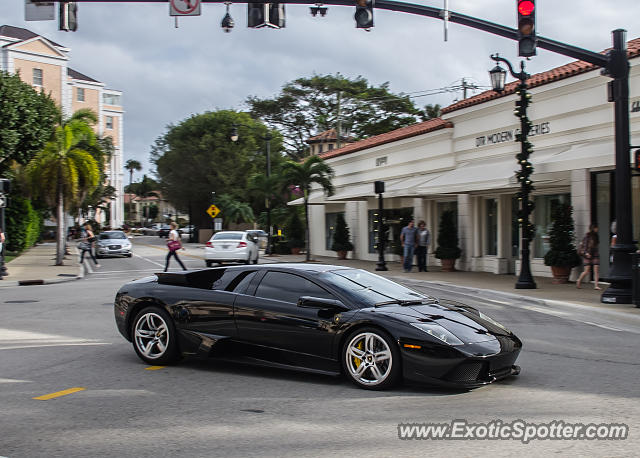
113 250
461 367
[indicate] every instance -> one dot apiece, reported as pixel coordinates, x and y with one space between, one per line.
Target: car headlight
440 333
492 321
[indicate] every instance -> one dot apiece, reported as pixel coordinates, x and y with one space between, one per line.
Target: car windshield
111 235
372 288
227 236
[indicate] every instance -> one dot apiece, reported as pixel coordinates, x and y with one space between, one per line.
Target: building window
111 99
109 122
394 220
330 146
330 220
80 94
37 77
491 227
544 206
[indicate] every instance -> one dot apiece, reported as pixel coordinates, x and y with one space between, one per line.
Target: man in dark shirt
408 239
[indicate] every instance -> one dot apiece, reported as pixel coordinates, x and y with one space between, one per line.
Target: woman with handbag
86 245
174 244
589 250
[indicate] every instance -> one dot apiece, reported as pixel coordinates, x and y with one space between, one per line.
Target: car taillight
210 245
242 245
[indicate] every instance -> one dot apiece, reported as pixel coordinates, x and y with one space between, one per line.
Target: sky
168 74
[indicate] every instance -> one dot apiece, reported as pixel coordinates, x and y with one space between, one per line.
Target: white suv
231 246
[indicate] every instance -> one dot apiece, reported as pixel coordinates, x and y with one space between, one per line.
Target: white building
45 65
465 161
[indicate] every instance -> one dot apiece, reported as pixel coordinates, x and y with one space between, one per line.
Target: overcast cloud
169 73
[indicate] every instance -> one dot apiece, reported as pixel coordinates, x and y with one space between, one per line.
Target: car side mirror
321 303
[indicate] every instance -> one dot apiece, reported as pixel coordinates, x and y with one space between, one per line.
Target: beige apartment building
45 65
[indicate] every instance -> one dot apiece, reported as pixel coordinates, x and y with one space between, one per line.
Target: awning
580 156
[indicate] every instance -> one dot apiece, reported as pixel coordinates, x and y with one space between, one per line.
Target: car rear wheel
255 261
209 263
371 359
154 337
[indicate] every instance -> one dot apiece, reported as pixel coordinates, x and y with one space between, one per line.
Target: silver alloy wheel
369 359
151 335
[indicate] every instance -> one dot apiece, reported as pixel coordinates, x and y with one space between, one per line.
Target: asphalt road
576 367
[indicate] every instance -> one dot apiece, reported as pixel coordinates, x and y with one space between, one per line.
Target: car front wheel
154 337
371 359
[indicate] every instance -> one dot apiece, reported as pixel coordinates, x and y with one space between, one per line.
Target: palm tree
132 165
431 112
63 171
234 211
305 174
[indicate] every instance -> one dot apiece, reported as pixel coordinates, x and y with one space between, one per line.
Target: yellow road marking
154 368
57 394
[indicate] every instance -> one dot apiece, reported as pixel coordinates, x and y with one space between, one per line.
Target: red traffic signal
526 28
636 163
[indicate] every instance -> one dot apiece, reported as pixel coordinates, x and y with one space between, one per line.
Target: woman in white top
174 245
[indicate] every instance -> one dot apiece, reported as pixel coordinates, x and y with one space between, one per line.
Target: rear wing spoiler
202 279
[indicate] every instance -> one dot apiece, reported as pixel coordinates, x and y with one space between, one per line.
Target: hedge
24 224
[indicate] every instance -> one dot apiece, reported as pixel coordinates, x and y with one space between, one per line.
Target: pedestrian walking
589 250
408 239
174 244
423 239
87 244
1 240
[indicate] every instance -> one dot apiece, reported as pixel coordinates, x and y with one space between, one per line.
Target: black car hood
465 324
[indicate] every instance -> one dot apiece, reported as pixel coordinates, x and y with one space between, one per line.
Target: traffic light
265 15
68 16
526 28
636 163
364 14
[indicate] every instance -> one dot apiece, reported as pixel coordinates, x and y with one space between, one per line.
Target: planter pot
342 254
560 274
448 265
295 250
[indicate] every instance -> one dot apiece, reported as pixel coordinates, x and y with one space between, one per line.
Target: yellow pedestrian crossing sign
213 211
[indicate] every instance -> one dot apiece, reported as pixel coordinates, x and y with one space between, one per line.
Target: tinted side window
286 287
240 285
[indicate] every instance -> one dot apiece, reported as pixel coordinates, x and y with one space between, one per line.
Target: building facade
465 161
45 65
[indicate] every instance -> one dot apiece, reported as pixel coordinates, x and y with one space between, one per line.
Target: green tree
562 252
234 211
341 236
448 237
64 172
307 106
27 121
196 157
132 165
305 174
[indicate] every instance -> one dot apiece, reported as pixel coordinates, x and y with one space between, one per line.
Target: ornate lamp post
378 187
267 138
498 76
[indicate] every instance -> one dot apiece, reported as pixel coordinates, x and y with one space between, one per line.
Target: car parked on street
323 318
164 231
262 237
231 246
113 243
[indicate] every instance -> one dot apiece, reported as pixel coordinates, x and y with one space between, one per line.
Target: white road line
149 260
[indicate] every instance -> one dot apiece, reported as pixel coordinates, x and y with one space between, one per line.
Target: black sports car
321 318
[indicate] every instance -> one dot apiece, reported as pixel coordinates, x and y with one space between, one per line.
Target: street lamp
498 76
267 138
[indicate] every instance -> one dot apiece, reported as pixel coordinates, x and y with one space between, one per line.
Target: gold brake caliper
358 361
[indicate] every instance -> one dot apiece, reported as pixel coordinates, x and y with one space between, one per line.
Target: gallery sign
504 136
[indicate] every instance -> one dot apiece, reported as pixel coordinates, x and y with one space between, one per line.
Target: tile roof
328 136
574 68
22 34
76 75
398 134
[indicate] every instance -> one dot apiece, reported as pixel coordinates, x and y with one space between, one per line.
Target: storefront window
394 220
542 220
330 228
491 226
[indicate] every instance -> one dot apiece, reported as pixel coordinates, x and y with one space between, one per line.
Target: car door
271 317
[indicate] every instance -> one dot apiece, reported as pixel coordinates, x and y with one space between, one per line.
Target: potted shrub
562 255
296 233
341 243
448 250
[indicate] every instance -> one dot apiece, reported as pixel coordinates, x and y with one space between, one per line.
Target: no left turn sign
184 7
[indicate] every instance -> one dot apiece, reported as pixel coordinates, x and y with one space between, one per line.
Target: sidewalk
36 266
